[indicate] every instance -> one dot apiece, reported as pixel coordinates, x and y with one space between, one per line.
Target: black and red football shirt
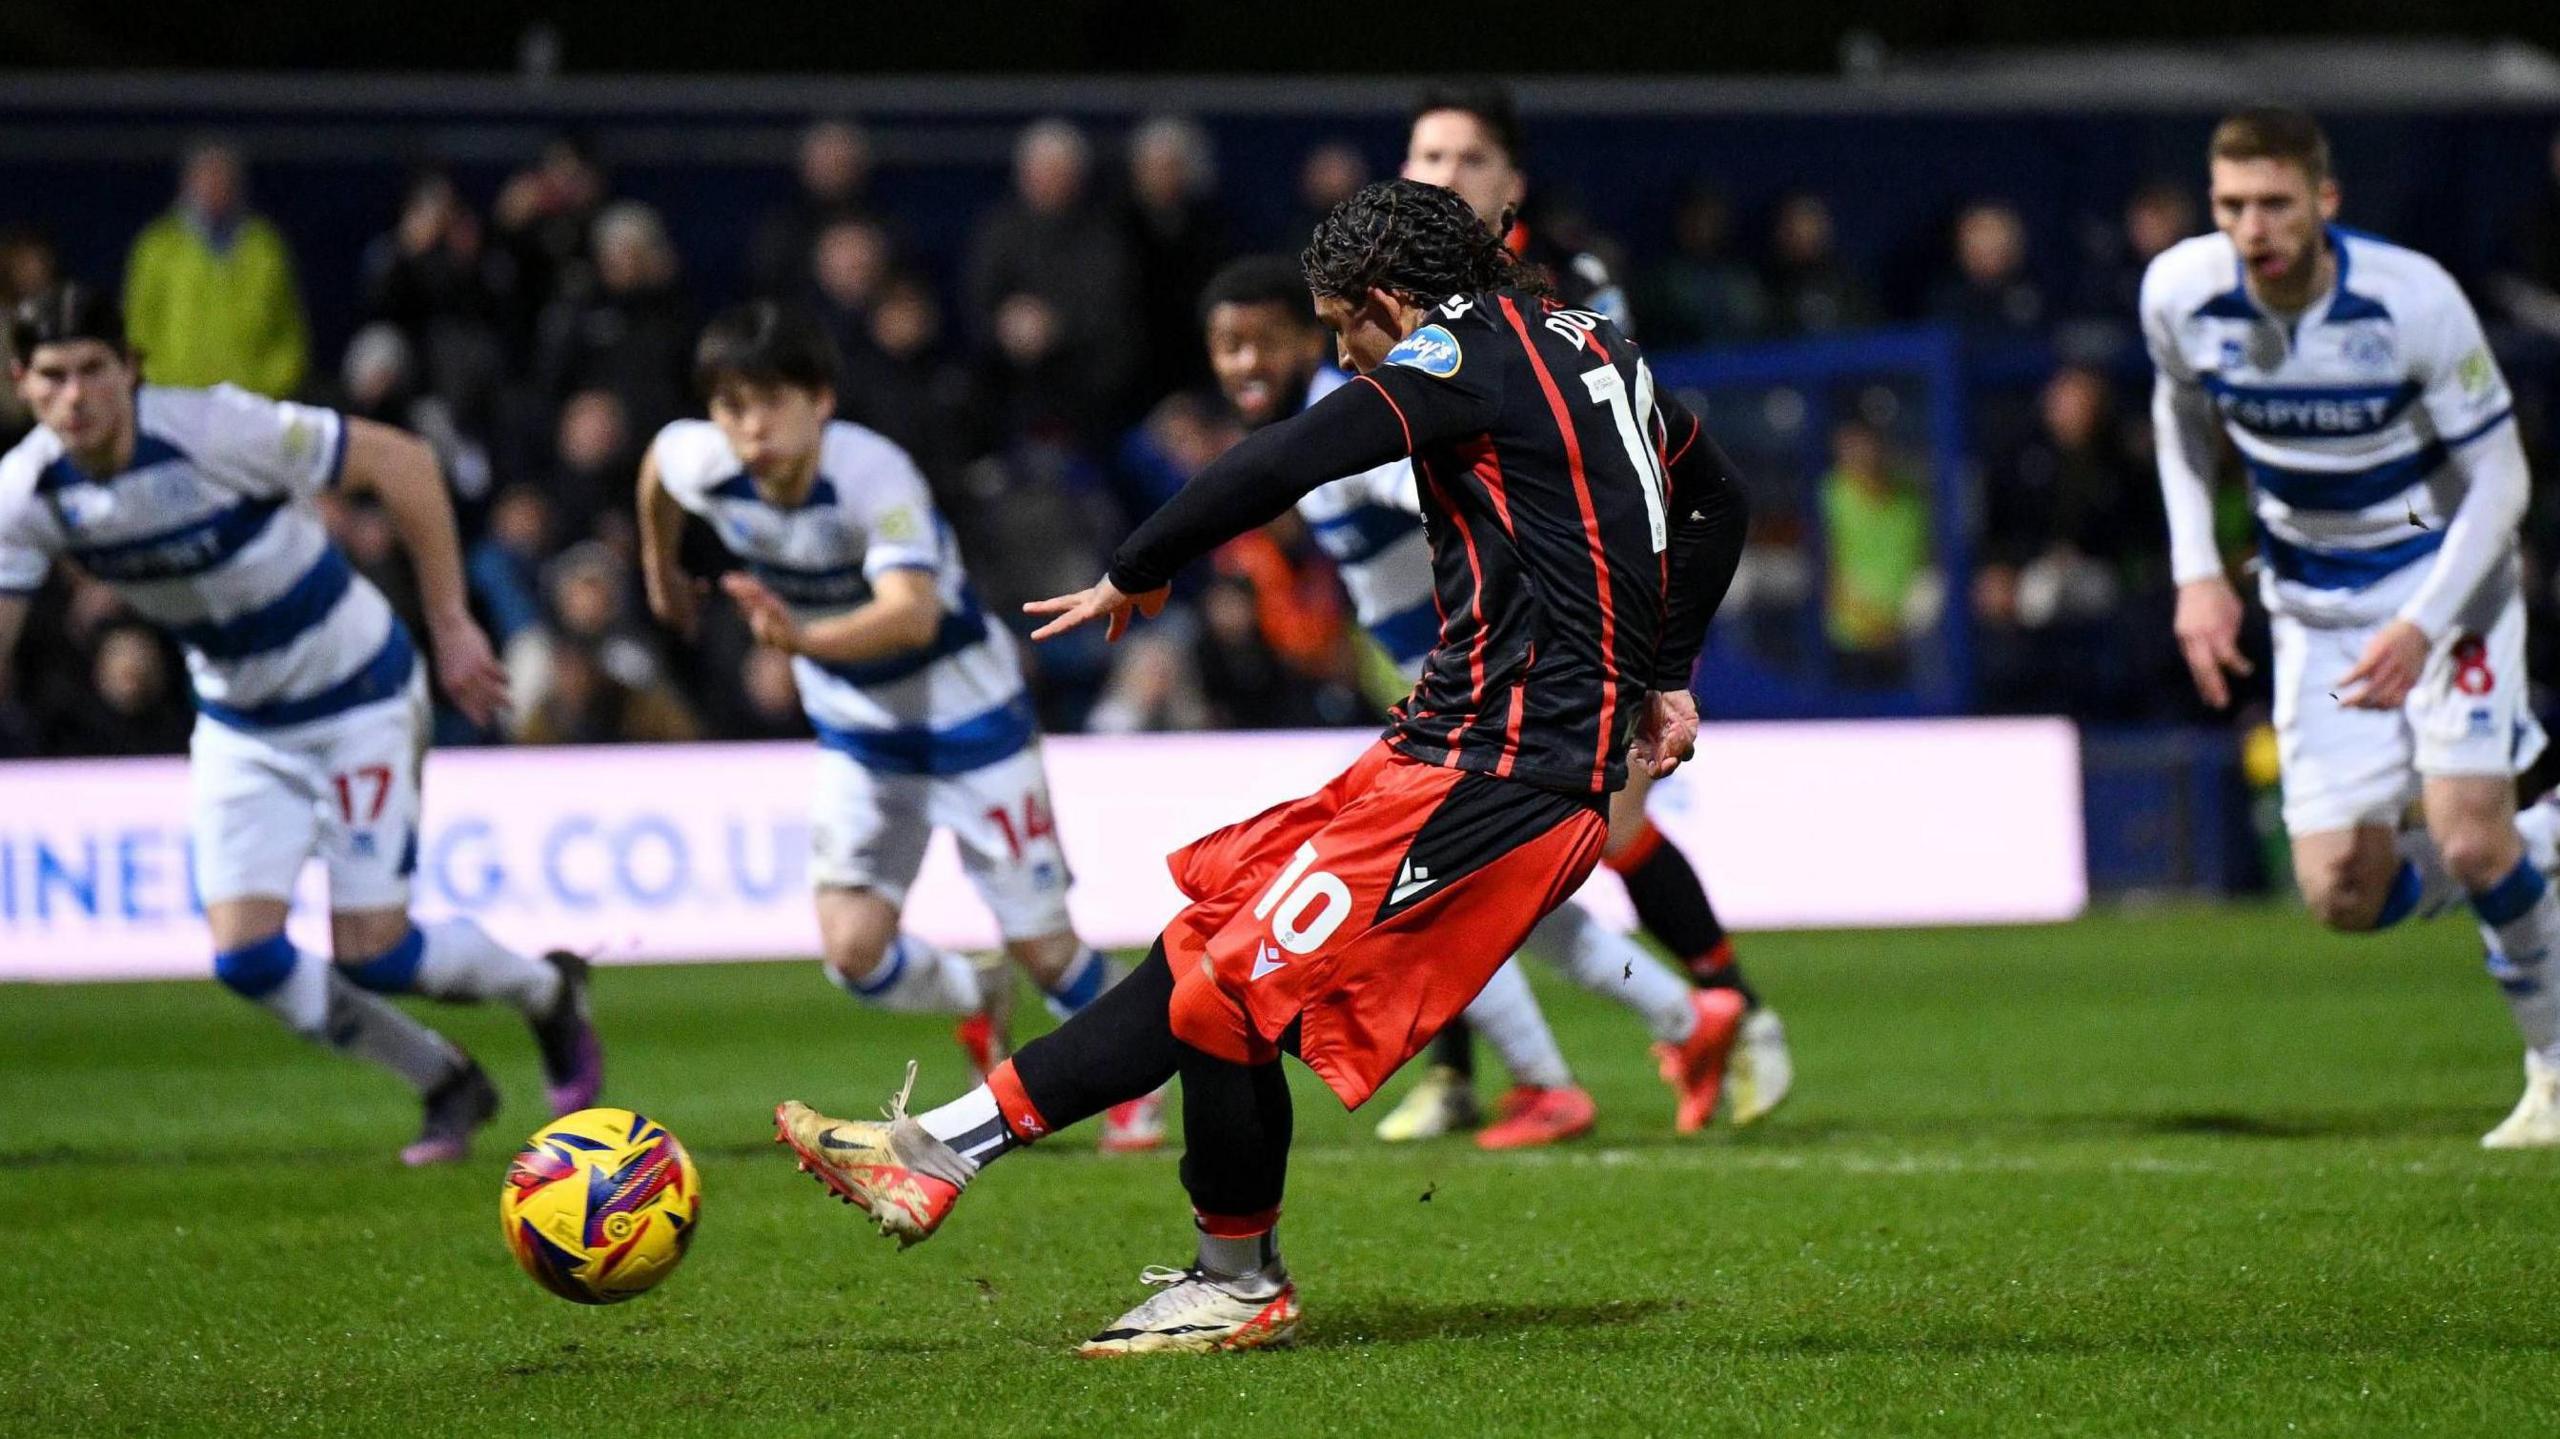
1582 528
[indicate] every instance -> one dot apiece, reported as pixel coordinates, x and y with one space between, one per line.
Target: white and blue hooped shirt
1370 525
953 706
2346 420
210 533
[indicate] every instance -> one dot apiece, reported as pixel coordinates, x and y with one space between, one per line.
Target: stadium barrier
700 852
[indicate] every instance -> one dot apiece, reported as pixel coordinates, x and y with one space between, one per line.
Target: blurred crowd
1052 385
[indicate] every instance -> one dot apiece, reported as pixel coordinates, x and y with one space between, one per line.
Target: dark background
1147 36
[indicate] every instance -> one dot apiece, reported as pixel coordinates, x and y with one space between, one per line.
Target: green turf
2194 1172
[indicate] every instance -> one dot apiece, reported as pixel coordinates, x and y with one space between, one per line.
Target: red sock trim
1720 957
1647 843
1014 1106
1236 1226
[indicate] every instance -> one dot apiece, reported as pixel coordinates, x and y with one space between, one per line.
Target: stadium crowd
538 336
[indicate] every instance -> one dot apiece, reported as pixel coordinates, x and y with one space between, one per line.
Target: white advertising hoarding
700 851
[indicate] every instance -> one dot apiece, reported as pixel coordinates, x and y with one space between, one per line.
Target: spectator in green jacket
209 293
1878 529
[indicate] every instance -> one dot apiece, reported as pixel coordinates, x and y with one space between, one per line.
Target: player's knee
2341 896
1045 958
2477 856
256 969
856 959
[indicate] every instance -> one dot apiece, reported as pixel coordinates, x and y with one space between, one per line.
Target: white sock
1507 1015
1617 967
972 1126
1081 983
317 1002
2539 823
916 976
365 1026
2520 921
461 962
2436 886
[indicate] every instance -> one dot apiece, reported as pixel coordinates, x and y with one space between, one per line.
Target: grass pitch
2193 1172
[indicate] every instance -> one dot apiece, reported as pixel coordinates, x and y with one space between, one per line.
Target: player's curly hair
1415 239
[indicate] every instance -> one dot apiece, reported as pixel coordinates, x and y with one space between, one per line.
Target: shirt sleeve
1354 428
684 452
1710 521
23 562
275 449
897 515
1440 390
2183 428
2460 384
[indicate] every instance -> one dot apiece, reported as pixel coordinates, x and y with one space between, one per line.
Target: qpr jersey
210 533
2346 419
955 705
1370 526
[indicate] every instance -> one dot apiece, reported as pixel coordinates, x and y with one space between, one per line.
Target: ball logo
2366 347
1431 349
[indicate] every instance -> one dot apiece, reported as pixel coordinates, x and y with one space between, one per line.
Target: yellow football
600 1205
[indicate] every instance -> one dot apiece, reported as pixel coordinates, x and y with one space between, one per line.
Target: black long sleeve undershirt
1350 430
1711 518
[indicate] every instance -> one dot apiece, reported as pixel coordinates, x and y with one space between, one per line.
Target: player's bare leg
2348 876
1071 975
869 958
255 960
2473 821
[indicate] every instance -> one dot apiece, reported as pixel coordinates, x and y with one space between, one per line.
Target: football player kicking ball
2351 376
1577 573
197 506
916 697
1469 139
1268 351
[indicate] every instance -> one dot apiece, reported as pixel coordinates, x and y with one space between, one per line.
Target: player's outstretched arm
399 469
2208 618
674 597
1710 521
902 616
13 622
1353 429
2498 484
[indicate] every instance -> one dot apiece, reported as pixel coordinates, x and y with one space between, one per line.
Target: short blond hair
2272 132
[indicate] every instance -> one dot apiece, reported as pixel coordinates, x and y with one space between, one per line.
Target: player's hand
1103 601
768 618
675 598
1666 732
2208 628
2388 670
468 669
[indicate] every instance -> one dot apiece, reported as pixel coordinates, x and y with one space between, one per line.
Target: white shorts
345 788
868 831
2344 767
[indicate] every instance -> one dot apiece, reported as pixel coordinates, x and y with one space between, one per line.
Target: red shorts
1369 912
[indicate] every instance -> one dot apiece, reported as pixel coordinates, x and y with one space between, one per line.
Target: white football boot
1443 1102
1196 1314
1761 1072
2535 1122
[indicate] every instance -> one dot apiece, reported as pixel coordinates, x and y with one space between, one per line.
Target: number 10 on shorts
1299 890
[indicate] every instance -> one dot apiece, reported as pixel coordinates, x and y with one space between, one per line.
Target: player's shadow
1361 1325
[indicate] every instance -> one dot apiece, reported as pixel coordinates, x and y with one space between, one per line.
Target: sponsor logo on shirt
2275 415
1431 349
